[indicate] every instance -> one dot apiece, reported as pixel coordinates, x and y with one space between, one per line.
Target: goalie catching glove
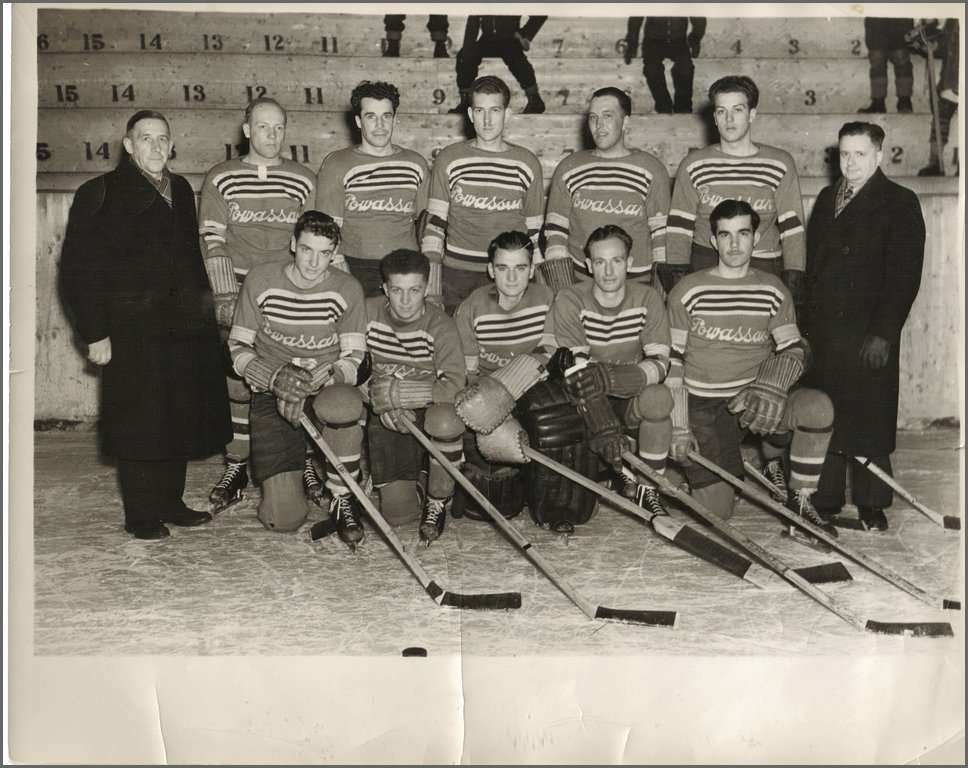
764 401
485 405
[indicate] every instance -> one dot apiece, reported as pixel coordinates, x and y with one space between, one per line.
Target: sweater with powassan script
424 349
766 180
724 328
375 200
491 335
474 196
588 192
247 212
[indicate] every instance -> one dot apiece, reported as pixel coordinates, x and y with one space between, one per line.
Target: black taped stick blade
651 618
500 601
911 629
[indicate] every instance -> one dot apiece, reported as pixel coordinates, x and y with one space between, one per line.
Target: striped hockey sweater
476 195
636 331
427 348
588 192
375 200
280 322
491 336
249 218
767 181
722 329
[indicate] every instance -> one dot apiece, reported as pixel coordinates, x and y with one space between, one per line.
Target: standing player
737 169
417 370
298 328
477 188
375 191
610 184
736 348
247 211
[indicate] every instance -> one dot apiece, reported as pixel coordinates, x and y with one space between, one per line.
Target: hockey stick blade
952 523
921 629
498 601
650 618
947 522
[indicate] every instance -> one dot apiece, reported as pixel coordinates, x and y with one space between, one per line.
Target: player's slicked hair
510 241
736 84
146 114
264 100
624 100
731 209
378 90
858 128
317 223
608 232
404 262
491 84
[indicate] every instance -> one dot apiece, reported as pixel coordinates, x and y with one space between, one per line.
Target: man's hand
99 352
875 352
392 419
683 441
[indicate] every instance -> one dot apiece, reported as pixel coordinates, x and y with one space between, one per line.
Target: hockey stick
652 618
948 522
494 601
873 566
837 522
935 107
916 629
690 539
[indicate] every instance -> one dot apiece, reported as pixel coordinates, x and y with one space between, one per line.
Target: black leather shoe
147 529
827 511
873 518
182 515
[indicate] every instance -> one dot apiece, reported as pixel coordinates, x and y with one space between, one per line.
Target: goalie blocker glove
764 401
485 405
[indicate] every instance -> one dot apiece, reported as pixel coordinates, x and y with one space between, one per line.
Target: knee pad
442 422
399 503
338 406
810 408
654 403
283 506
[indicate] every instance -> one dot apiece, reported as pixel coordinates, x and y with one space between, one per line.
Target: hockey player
736 349
619 334
298 337
737 169
477 188
507 334
246 215
610 184
417 369
377 190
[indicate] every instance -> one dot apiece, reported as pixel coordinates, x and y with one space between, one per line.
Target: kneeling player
297 337
736 349
418 367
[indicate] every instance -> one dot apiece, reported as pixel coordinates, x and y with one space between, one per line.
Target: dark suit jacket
863 274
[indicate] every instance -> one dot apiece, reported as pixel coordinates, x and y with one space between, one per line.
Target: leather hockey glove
598 379
388 393
485 405
605 434
557 273
683 439
764 401
392 419
225 308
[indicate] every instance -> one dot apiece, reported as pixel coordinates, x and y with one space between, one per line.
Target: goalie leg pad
501 484
283 507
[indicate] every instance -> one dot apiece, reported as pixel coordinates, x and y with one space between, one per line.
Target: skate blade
795 534
230 503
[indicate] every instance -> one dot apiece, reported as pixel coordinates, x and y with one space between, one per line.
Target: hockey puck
415 651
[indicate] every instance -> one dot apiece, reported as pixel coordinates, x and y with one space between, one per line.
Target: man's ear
531 271
712 241
756 237
490 270
246 131
292 244
128 146
356 119
383 287
752 114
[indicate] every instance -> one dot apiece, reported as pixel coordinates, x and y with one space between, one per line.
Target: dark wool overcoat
863 274
132 271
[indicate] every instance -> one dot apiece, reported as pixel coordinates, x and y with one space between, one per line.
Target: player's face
488 114
606 122
734 240
266 131
511 271
313 255
149 145
406 294
376 121
859 158
733 116
608 263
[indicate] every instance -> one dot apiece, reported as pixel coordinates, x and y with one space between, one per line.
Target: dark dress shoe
873 518
828 511
146 529
182 515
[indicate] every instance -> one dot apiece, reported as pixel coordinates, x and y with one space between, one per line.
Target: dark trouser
437 26
866 489
458 284
367 271
150 488
509 51
653 54
903 71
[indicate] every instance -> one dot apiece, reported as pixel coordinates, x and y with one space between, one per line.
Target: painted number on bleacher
897 154
328 44
313 95
102 151
67 93
212 42
737 47
43 151
43 42
855 47
811 98
274 42
195 92
154 41
255 91
564 96
439 96
94 42
794 46
119 92
558 42
295 154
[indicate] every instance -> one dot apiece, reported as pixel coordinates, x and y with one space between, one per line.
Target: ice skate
228 490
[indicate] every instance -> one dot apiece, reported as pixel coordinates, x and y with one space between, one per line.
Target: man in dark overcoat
865 250
133 278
